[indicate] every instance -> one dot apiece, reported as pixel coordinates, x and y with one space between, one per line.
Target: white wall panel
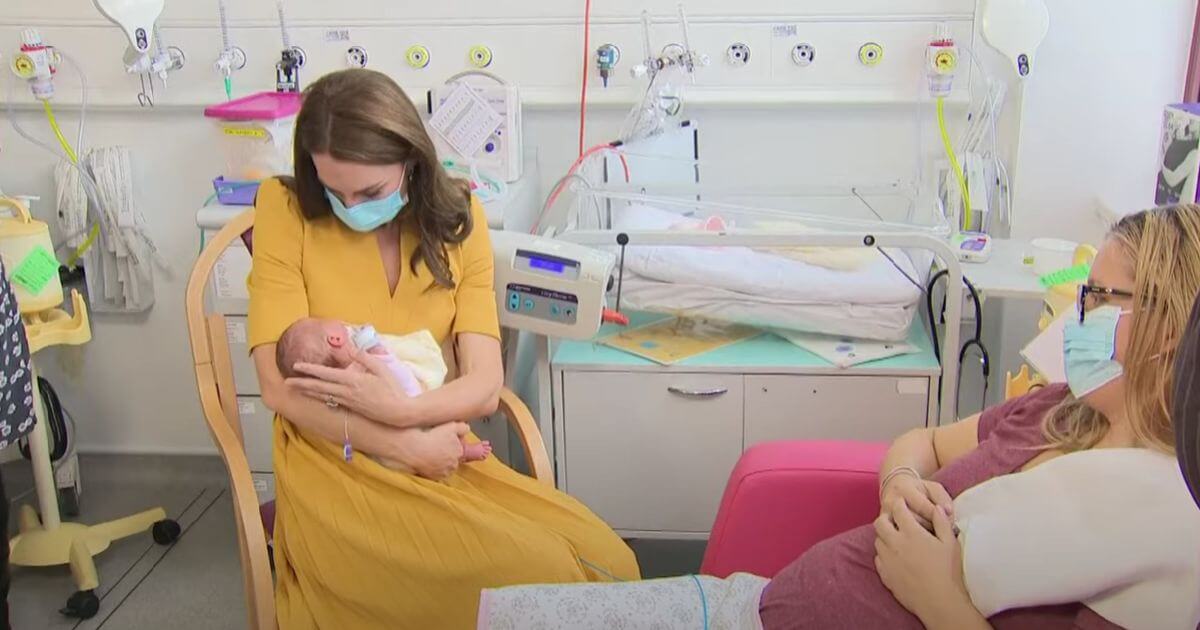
767 124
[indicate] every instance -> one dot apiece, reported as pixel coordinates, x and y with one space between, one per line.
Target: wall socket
803 54
738 54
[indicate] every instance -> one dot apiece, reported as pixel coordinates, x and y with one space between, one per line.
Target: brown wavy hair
1163 246
363 116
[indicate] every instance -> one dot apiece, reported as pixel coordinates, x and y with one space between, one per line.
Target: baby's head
312 340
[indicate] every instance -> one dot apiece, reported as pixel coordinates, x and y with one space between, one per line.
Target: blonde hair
1163 246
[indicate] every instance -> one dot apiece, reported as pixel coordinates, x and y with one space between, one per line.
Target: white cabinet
245 377
866 408
257 432
649 448
652 451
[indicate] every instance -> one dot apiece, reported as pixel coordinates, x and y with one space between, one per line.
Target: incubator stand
43 539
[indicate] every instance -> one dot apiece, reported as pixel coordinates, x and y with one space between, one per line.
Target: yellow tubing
59 134
958 172
62 140
86 245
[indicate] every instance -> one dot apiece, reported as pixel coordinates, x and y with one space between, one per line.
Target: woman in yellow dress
372 230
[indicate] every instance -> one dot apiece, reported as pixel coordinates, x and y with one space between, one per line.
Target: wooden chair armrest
531 438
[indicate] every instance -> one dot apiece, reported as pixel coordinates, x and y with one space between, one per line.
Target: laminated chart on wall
670 341
465 120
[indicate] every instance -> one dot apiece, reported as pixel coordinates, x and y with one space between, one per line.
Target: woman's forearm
317 420
955 614
467 398
912 450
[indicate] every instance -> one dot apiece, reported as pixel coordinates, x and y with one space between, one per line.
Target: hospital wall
1088 130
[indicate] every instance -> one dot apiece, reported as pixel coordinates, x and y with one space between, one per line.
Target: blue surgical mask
367 215
1089 350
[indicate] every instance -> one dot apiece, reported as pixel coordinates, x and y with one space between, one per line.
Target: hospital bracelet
892 475
347 450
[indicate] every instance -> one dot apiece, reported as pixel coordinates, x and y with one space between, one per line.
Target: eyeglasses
1091 296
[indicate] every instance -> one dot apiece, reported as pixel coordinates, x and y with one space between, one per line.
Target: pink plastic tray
261 106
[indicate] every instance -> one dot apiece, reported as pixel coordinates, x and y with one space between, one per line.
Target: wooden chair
218 401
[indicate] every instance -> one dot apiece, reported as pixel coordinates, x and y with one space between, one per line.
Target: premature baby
415 359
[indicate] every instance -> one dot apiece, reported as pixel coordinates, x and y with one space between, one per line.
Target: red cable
587 27
571 171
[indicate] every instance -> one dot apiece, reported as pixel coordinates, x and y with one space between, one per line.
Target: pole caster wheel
82 605
166 531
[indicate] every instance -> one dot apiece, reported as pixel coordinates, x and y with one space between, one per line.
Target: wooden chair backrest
218 401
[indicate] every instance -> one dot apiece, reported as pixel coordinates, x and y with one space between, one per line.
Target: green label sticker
1069 275
36 271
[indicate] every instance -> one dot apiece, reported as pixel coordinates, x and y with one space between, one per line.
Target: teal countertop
766 351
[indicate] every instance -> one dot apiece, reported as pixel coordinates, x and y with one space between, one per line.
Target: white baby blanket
683 602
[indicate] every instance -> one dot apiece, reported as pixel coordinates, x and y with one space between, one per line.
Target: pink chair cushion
267 512
784 497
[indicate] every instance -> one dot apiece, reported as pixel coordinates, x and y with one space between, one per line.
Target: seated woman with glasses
926 563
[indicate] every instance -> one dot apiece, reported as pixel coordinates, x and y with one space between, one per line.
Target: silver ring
330 402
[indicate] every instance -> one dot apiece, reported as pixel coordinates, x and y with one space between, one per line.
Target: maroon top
834 585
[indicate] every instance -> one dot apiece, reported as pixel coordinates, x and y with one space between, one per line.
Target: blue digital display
545 264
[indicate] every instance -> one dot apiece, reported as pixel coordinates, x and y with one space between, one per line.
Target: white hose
287 41
108 223
80 147
224 19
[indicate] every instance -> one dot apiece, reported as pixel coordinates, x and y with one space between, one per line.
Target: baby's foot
476 452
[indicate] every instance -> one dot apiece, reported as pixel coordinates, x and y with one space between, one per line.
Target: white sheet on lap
730 604
747 271
1115 529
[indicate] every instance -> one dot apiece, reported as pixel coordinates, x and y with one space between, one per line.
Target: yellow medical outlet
417 56
870 54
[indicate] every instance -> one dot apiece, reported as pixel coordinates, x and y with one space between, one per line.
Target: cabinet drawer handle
699 393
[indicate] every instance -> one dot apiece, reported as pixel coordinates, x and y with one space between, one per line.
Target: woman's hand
373 393
433 453
923 570
919 496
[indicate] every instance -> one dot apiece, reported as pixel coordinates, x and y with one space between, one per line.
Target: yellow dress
360 546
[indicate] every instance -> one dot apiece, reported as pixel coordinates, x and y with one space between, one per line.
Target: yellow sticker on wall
243 132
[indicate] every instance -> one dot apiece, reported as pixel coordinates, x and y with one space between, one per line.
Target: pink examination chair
785 497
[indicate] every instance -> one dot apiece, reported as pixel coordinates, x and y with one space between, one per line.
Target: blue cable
600 571
703 600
